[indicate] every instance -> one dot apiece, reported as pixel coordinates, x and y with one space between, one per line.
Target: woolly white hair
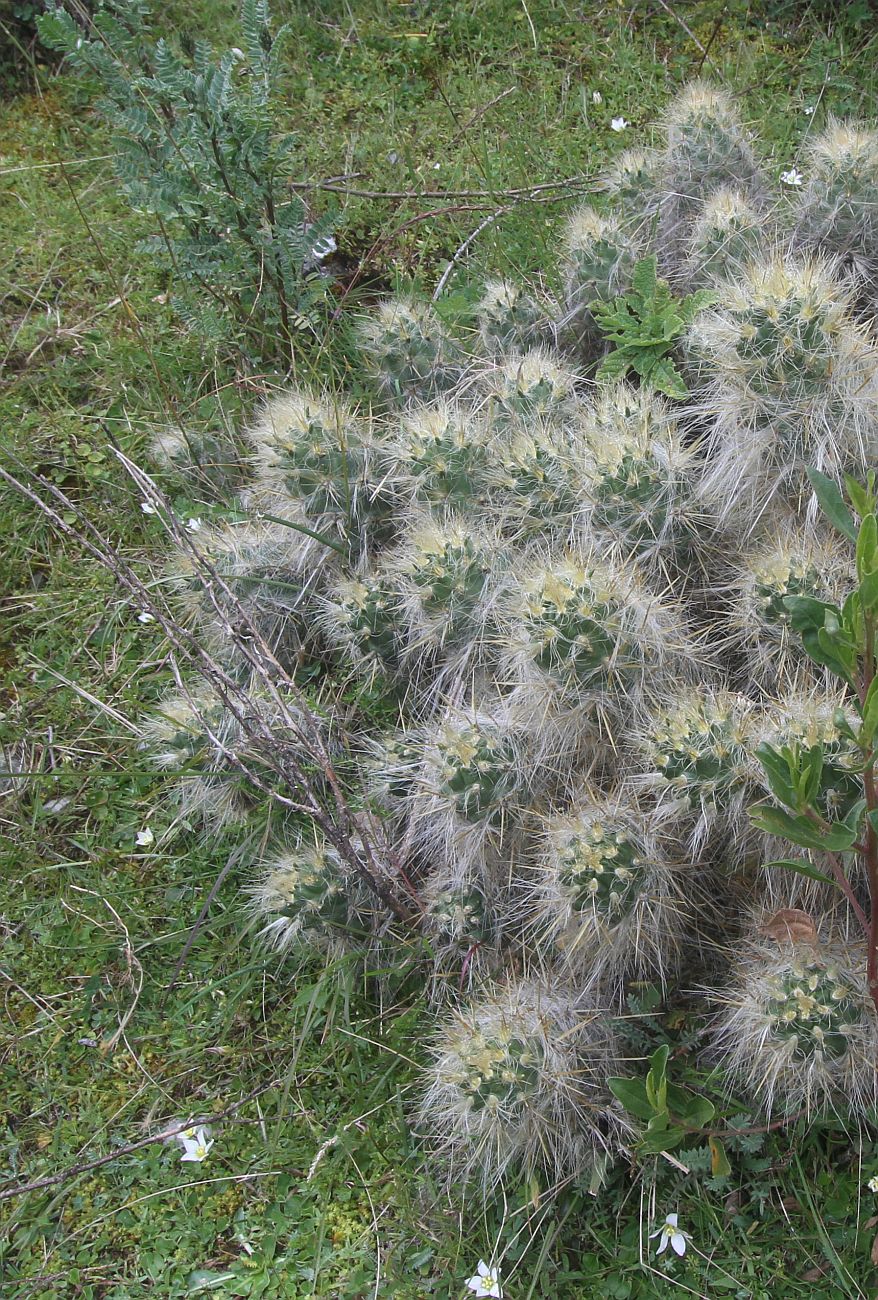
793 385
608 893
518 1080
795 1027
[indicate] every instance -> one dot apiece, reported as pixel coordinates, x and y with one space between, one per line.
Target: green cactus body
638 475
787 347
779 578
810 721
811 1010
838 208
707 147
600 870
726 235
366 614
599 259
446 455
313 891
409 351
315 450
477 770
700 749
529 390
460 912
633 183
536 478
509 319
449 571
573 626
503 1071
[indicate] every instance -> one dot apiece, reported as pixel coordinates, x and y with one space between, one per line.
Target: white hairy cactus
474 781
608 894
796 1029
409 351
599 258
793 384
787 561
639 476
442 454
518 1078
509 318
307 897
579 639
837 208
697 756
728 233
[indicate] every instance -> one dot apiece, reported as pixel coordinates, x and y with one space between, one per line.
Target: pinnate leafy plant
645 324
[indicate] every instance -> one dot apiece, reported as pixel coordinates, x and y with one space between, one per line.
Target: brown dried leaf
874 1254
790 925
813 1274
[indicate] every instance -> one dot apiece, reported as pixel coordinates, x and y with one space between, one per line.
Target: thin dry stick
72 1171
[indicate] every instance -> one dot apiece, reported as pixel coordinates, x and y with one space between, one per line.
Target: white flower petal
144 838
618 124
678 1242
147 507
663 1244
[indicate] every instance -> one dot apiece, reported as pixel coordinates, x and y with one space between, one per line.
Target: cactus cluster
570 600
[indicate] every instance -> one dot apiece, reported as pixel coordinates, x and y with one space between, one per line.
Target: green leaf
777 771
689 1108
800 830
832 503
802 869
632 1094
867 547
862 499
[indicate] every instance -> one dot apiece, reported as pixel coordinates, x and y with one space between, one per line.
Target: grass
452 96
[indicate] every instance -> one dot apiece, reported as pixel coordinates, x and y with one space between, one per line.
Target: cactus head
475 768
707 147
796 1029
838 206
806 718
532 389
409 351
727 234
697 748
638 474
313 450
633 186
362 618
603 894
308 896
535 478
518 1079
443 572
790 561
509 319
599 260
443 453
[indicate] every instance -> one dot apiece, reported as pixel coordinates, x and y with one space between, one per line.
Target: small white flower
873 1183
436 166
597 97
619 124
809 110
792 177
148 508
145 617
195 1148
669 1232
144 838
485 1281
193 525
239 54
